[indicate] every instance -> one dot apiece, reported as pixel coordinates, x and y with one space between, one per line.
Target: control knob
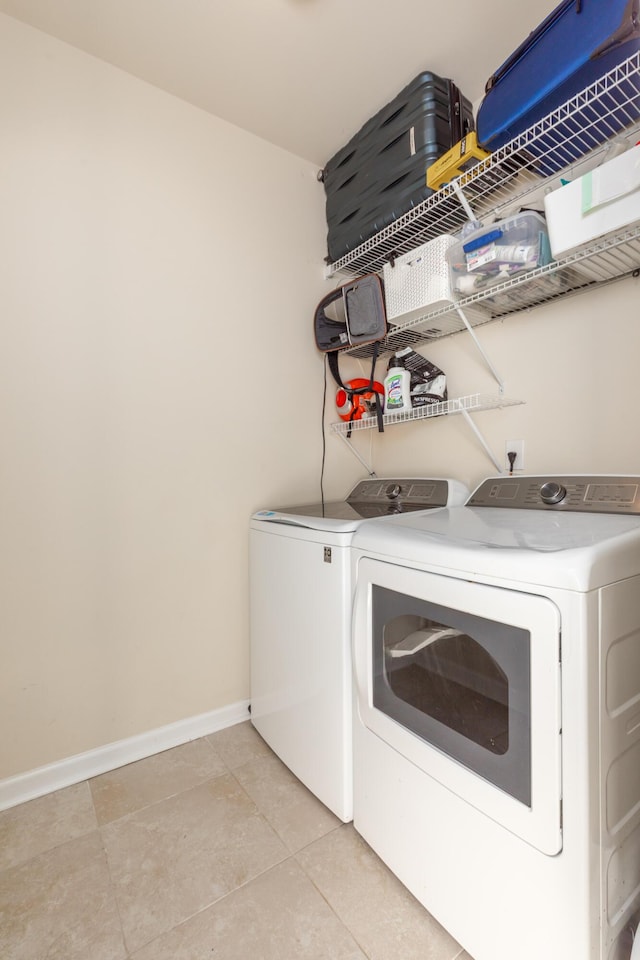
552 492
393 491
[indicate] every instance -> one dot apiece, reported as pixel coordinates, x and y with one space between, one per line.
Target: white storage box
418 282
602 201
499 252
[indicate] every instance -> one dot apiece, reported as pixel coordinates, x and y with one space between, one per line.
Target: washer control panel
587 494
413 493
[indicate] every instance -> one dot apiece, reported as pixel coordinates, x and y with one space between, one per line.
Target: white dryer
497 730
300 610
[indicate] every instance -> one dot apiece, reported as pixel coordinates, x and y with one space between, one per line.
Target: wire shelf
577 133
475 401
612 258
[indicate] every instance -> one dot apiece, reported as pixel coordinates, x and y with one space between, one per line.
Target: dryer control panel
584 493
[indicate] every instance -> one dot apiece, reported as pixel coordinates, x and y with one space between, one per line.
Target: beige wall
575 366
158 382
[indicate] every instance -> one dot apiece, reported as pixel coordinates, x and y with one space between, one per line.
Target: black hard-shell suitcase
576 45
381 172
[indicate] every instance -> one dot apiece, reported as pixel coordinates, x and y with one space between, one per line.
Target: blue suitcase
579 42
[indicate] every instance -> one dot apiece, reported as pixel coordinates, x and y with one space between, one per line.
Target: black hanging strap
369 388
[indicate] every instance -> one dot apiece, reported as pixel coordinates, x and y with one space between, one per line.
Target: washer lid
337 516
576 551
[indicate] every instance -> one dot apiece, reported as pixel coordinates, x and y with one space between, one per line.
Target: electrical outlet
517 447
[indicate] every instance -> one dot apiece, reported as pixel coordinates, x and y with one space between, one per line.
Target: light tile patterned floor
210 851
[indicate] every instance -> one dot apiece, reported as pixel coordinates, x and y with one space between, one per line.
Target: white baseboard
64 773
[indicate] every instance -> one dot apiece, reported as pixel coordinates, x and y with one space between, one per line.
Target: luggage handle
535 35
629 27
482 241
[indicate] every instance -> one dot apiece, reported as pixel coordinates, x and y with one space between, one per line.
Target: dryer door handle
420 639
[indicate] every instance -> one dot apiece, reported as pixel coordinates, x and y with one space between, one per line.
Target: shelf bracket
464 203
481 350
364 463
466 206
487 449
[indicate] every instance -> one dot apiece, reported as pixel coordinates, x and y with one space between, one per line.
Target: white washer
497 730
300 608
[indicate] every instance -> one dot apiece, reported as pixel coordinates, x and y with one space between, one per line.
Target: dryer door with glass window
464 680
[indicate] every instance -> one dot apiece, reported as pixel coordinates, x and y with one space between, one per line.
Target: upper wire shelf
514 173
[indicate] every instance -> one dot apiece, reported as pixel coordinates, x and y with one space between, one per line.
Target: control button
393 491
552 492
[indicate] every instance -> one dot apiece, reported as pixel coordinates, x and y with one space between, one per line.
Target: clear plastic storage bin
499 252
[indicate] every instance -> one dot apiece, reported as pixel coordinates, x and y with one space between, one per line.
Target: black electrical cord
324 439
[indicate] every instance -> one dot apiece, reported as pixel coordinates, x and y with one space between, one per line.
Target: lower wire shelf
469 404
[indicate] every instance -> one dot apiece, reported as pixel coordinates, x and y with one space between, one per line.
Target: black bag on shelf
380 173
351 314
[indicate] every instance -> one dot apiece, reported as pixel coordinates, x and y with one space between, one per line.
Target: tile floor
210 851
